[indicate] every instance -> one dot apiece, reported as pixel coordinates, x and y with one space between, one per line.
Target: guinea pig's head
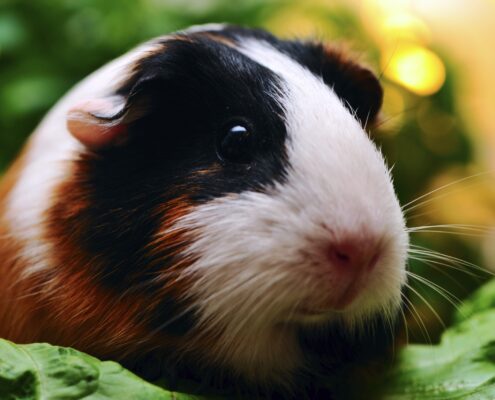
230 180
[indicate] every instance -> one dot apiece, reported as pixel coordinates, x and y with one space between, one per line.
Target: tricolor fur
141 238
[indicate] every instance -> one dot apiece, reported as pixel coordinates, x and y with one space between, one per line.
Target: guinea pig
212 198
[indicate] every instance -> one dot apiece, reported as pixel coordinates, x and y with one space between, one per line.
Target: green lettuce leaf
41 371
482 300
461 366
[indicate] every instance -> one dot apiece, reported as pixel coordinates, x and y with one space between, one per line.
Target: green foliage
483 299
461 366
41 371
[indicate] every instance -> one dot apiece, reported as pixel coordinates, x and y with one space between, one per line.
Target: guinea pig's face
230 179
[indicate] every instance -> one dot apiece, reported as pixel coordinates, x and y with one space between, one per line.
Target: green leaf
462 366
41 371
483 299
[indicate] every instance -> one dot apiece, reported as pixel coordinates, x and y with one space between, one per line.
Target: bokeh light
416 68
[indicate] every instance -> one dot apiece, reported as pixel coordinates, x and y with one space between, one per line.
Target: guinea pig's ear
102 122
355 84
98 123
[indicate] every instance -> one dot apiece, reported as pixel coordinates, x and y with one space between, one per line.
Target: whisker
445 232
417 317
426 212
451 298
414 203
447 275
467 227
419 250
404 321
453 267
416 292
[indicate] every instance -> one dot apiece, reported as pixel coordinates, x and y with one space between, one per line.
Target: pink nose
353 256
349 260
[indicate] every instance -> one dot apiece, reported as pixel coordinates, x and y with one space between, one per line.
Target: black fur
356 86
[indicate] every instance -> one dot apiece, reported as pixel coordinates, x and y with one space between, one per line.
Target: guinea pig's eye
236 143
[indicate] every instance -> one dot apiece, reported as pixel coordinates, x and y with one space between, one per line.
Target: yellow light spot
405 26
416 68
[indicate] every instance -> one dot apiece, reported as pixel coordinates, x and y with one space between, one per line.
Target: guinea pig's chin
354 315
379 294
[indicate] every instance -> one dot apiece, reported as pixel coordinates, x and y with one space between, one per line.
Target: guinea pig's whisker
430 255
467 227
451 298
417 317
431 210
446 232
404 322
425 212
439 264
448 276
413 204
436 257
389 321
427 303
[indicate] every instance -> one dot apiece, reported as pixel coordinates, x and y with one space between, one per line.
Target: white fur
258 252
49 152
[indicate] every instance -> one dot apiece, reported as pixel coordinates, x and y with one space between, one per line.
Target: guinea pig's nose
353 255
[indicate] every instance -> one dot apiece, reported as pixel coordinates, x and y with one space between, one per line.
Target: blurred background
436 60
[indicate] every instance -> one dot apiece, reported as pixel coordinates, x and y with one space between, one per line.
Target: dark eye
236 143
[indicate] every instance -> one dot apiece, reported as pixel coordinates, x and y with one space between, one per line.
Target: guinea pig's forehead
236 41
209 71
211 58
257 59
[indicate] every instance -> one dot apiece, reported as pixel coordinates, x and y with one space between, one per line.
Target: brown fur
15 306
100 320
65 305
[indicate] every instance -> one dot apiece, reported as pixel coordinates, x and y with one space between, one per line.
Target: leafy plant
461 366
42 371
